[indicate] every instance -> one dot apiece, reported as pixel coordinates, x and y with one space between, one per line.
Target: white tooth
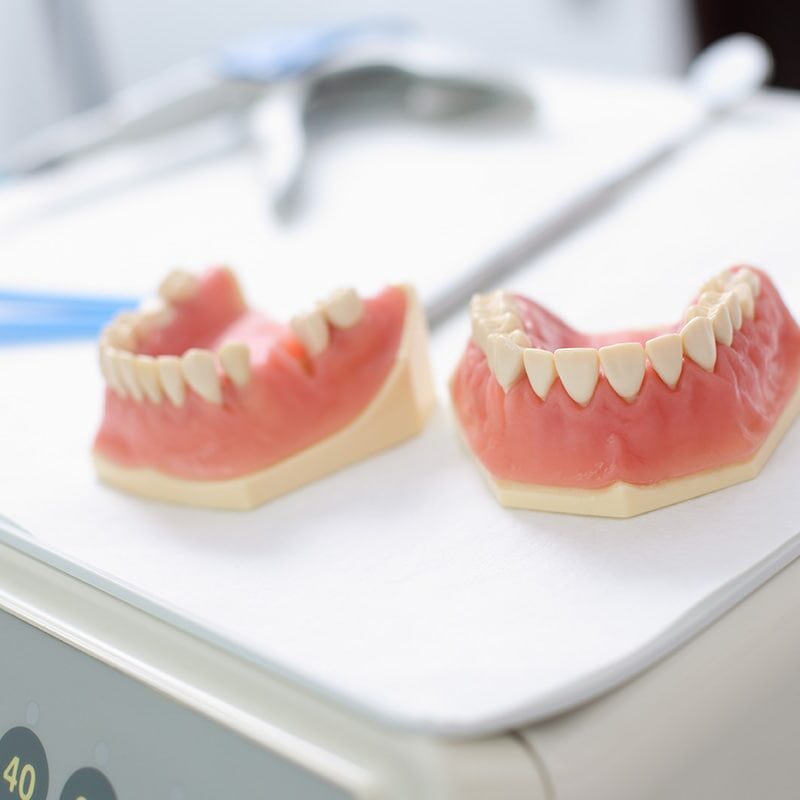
147 373
344 308
578 368
483 326
506 360
120 334
235 360
312 330
666 355
696 311
721 323
126 369
109 371
497 301
519 338
171 377
731 302
749 277
153 313
178 286
540 366
698 342
709 299
744 294
624 366
200 372
716 284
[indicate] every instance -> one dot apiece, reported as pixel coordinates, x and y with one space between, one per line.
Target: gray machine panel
90 717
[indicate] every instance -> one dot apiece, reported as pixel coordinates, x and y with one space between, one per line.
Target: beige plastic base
626 499
399 411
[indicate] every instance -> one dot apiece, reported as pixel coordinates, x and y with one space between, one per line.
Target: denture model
622 423
210 403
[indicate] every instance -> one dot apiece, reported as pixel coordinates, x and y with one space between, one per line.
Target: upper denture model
210 403
622 423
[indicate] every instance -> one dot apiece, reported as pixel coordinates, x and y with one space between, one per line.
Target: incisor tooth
666 355
312 330
698 342
200 372
578 368
540 367
744 294
179 285
721 323
127 372
624 366
749 277
147 373
505 360
344 308
235 360
731 301
171 376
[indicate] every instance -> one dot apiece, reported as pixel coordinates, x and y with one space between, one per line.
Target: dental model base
209 403
622 423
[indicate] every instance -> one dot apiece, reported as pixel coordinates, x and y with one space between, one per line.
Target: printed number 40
24 778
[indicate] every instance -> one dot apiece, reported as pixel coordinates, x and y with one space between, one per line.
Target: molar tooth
540 366
698 342
178 286
171 376
745 275
120 334
483 326
312 330
147 373
200 372
744 294
235 360
506 360
709 298
578 368
153 313
127 372
721 323
624 366
344 308
696 311
666 355
715 284
731 302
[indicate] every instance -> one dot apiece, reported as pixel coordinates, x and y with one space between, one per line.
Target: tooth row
342 309
497 329
141 377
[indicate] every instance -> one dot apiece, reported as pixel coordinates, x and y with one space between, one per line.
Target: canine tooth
171 376
147 373
666 355
731 302
744 294
578 368
312 330
540 367
344 308
123 361
178 286
624 366
235 360
698 342
200 372
505 360
749 277
721 323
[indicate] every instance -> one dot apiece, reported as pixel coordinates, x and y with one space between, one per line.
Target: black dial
23 766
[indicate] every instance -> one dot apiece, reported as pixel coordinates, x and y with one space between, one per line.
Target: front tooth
127 371
731 301
666 355
147 373
171 376
344 308
312 330
108 369
744 294
235 360
540 366
698 342
505 360
749 277
178 286
721 323
624 366
200 372
578 368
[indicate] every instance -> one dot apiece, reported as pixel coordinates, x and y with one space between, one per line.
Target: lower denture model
622 423
210 403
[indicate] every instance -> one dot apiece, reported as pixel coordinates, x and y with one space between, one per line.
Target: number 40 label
23 780
23 762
